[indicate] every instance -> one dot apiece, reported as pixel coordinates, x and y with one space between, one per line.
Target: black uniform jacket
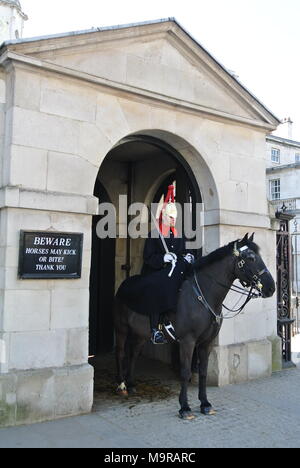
154 289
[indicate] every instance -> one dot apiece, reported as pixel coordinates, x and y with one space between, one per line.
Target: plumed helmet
169 209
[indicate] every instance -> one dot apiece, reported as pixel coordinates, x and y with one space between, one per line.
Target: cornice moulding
12 59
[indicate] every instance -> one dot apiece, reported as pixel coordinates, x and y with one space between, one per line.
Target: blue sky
258 39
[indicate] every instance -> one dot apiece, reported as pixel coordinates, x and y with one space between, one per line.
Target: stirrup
158 334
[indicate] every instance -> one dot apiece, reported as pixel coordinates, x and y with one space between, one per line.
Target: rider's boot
168 326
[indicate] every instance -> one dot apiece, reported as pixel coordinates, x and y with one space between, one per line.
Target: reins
201 298
250 294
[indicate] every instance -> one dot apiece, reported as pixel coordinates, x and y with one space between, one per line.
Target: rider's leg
154 319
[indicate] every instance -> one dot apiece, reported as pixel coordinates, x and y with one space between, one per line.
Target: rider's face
172 222
169 221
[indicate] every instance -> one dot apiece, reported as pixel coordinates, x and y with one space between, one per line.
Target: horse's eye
251 257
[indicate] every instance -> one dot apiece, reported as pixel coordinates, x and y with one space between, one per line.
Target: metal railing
287 204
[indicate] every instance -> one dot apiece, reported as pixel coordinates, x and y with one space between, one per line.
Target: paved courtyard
263 413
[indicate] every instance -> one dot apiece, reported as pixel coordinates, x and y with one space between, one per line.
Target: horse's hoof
186 415
122 390
208 411
122 393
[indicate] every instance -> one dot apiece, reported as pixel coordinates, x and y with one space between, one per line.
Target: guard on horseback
166 262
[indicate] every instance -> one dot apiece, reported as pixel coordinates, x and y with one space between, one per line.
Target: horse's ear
245 239
251 239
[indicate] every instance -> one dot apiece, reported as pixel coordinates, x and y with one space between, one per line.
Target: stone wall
59 127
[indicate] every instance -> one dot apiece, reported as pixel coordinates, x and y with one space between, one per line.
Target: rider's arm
152 257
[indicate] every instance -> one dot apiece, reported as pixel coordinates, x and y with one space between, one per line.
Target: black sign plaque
50 255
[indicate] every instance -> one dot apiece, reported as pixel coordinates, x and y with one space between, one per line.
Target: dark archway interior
141 168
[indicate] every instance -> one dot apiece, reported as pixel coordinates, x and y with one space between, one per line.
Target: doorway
102 281
140 167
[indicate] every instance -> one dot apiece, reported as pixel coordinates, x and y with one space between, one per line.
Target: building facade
283 176
89 116
283 164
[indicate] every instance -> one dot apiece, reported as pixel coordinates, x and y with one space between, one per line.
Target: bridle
253 279
253 282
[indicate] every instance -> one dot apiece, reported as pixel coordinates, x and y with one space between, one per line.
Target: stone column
44 370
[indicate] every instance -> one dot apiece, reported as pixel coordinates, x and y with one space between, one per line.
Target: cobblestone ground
262 413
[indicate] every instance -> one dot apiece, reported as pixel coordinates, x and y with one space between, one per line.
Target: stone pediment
159 58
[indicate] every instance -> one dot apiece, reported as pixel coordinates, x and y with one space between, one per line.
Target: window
297 158
275 189
275 155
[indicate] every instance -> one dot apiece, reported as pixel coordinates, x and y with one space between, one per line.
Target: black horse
198 318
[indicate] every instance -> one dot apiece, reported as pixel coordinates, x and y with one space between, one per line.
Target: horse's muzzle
269 287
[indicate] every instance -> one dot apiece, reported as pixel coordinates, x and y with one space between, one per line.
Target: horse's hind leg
137 344
186 355
203 356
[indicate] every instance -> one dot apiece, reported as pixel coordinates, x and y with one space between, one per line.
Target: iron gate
296 278
284 304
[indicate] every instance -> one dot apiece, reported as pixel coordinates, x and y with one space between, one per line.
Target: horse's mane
223 252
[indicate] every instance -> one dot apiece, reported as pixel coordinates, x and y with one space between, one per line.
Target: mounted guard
155 292
199 312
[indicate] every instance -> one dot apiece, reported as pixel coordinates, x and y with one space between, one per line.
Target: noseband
253 279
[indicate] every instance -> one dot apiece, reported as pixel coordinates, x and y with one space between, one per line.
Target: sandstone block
259 359
28 167
26 310
37 350
69 308
80 180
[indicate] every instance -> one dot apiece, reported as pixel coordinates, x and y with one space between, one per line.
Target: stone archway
137 166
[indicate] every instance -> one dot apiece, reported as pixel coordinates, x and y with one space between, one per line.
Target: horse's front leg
203 356
186 354
121 337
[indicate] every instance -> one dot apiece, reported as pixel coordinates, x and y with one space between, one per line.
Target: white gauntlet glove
170 257
189 258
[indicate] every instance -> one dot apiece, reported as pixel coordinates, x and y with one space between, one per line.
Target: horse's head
250 268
